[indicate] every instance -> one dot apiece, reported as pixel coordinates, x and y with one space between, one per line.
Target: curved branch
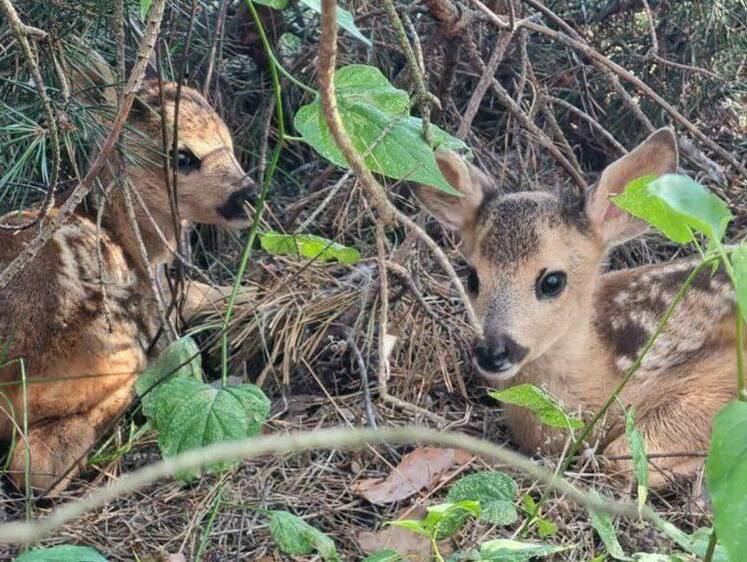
29 531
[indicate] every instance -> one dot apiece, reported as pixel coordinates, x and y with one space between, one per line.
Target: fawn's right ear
456 213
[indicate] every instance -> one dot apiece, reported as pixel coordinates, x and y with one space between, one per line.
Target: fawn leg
55 450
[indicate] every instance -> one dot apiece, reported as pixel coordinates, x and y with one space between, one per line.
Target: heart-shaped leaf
308 246
376 117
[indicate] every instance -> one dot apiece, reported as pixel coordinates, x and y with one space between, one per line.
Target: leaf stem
712 540
267 180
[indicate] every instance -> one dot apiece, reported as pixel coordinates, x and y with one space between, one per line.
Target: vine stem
266 181
373 189
578 443
334 439
712 540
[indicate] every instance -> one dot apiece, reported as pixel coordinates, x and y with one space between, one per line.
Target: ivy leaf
180 359
739 265
295 536
726 474
495 493
308 246
540 403
602 523
388 555
676 205
376 114
344 19
508 550
62 553
276 4
640 460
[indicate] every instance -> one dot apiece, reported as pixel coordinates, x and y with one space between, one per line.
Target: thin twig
375 192
31 531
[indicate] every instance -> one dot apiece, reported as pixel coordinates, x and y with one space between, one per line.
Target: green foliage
295 536
640 460
739 263
388 555
508 550
676 205
62 553
439 522
344 19
540 403
602 523
545 527
726 473
144 8
308 246
377 118
494 491
276 4
188 413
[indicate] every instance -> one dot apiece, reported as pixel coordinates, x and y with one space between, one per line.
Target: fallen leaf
418 470
406 543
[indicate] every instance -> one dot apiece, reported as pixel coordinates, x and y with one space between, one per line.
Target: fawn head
212 188
535 257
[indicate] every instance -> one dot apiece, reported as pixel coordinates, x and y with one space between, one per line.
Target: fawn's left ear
655 156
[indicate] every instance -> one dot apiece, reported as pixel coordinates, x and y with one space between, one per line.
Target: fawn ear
655 156
456 213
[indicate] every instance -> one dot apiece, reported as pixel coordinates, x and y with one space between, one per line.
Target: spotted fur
82 316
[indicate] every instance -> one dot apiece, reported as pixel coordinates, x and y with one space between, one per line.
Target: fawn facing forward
83 324
551 318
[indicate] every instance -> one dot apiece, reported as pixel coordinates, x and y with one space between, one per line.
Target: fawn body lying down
84 330
551 318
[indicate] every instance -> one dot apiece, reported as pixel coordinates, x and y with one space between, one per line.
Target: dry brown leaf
414 547
418 470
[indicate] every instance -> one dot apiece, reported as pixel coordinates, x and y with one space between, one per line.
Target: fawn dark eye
473 283
186 161
550 285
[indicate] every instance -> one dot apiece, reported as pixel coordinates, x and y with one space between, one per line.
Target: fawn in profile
552 318
84 323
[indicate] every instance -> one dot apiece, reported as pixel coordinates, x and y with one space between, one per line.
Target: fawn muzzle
498 355
234 207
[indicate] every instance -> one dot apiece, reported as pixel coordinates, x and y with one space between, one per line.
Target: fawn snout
498 357
233 209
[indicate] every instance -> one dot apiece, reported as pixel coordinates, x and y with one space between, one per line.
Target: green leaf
726 474
388 555
676 205
445 519
413 525
344 19
276 4
602 523
540 403
545 527
739 265
189 414
507 550
62 553
144 8
295 536
697 543
640 460
494 491
180 359
308 246
376 114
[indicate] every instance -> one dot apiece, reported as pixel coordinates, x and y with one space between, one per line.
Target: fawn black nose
498 353
234 207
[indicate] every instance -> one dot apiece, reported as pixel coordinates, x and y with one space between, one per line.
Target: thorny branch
81 190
